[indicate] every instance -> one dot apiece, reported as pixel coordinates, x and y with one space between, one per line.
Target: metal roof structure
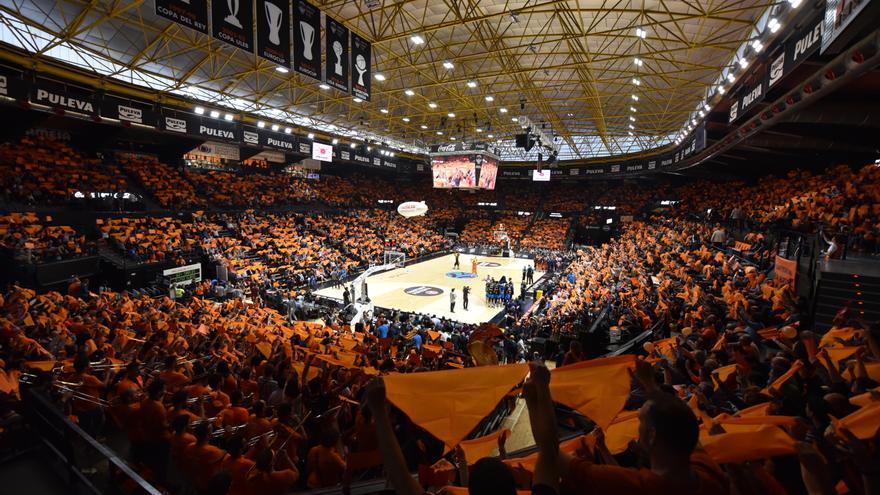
608 77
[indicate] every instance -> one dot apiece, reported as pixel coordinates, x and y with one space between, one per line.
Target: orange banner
742 446
450 403
597 388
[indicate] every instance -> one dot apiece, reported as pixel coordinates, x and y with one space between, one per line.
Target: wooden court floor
424 287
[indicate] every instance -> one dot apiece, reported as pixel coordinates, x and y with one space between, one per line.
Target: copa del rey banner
786 270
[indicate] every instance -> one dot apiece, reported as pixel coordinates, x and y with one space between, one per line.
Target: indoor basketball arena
549 247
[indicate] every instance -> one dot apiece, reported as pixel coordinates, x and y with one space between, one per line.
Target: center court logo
423 290
461 275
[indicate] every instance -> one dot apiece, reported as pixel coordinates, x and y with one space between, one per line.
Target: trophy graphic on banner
273 18
232 18
308 37
360 63
337 49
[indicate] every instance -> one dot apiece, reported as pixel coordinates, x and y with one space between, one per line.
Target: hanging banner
13 84
191 13
278 140
785 271
64 97
215 129
273 31
322 152
361 75
225 151
133 111
804 43
306 39
336 67
232 21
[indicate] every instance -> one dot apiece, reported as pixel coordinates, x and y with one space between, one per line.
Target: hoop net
396 258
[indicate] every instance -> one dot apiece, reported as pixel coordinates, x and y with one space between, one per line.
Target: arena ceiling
569 64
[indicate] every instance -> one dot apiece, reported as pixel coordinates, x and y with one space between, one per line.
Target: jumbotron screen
454 171
488 172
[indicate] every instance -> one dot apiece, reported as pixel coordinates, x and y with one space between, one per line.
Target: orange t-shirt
613 480
326 466
274 483
233 416
238 468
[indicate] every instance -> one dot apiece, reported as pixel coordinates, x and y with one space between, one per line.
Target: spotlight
199 110
730 77
356 99
743 63
409 92
228 117
632 119
287 130
635 97
636 81
275 127
502 110
758 46
450 115
638 61
490 136
335 141
631 126
261 124
383 110
215 114
632 109
640 33
311 135
423 126
439 133
514 119
352 146
448 65
706 107
282 70
490 98
479 129
406 119
472 84
417 39
774 25
391 154
369 148
324 86
432 105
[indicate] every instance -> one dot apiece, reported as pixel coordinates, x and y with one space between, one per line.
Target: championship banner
336 67
64 97
273 31
133 111
232 21
306 39
786 271
13 84
190 13
362 74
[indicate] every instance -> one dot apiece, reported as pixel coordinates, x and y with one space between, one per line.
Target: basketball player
474 265
456 265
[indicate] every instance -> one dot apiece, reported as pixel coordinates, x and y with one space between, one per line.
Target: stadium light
282 70
743 63
417 39
635 97
311 135
324 86
448 65
199 110
352 146
450 115
638 61
288 130
228 117
356 100
432 105
641 33
409 92
423 126
383 110
275 127
335 141
379 76
490 98
636 81
405 119
215 114
730 77
261 124
472 84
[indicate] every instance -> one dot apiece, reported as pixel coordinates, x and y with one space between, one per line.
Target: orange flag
597 388
864 399
761 409
476 449
450 403
838 354
723 373
831 336
742 446
623 429
863 423
784 378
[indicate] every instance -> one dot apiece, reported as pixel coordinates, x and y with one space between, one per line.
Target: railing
78 451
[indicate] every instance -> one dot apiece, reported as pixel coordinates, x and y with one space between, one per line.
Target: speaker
525 141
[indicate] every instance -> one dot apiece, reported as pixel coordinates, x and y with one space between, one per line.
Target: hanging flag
336 66
190 13
232 21
273 31
306 39
361 73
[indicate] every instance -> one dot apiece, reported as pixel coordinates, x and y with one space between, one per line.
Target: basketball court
424 287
